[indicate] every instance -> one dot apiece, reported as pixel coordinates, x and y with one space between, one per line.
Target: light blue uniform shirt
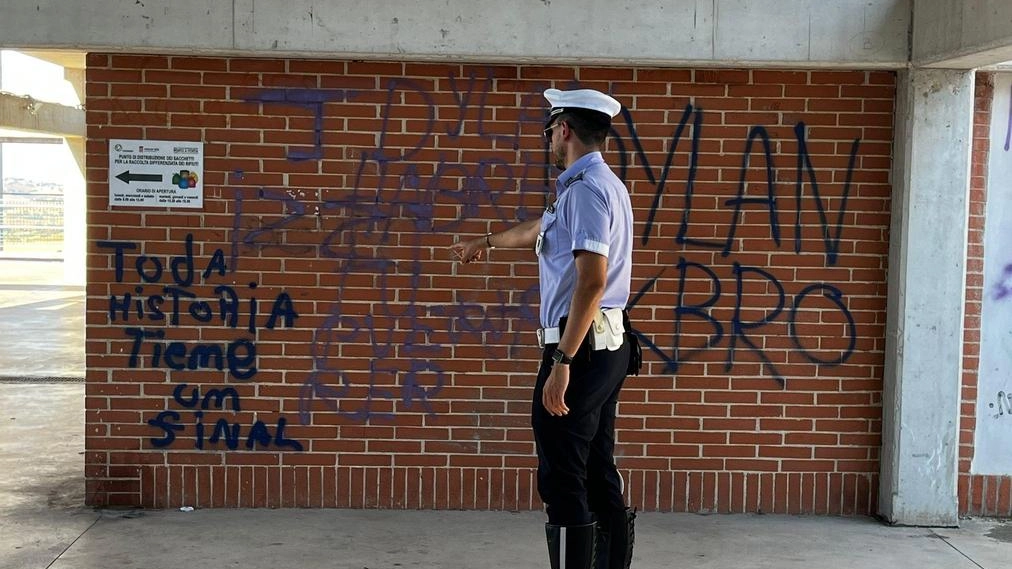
591 213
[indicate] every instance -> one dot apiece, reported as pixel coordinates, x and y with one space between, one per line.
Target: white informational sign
993 433
161 173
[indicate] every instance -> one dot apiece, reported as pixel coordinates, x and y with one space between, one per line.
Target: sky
24 75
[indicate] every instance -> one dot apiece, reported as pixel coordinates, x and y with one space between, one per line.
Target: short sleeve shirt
592 212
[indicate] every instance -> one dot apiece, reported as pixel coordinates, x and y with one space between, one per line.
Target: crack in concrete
71 544
956 549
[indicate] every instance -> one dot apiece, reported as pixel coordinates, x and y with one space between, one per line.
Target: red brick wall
405 379
979 495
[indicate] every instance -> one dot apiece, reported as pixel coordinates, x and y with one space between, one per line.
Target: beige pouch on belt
608 333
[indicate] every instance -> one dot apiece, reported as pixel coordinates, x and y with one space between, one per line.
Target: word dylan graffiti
403 194
175 303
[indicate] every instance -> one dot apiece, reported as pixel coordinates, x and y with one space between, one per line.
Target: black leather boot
571 547
602 545
615 536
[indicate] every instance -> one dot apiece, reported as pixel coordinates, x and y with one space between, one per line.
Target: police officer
584 246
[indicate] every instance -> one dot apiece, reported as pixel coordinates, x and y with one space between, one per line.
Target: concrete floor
44 524
41 322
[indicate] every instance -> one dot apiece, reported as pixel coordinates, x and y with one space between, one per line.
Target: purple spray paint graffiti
1008 128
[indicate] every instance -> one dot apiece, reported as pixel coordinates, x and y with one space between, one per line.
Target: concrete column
1 169
75 76
75 234
927 275
1 197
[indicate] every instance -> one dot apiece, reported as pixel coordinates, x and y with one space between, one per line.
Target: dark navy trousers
577 476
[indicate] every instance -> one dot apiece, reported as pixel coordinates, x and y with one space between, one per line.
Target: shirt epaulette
575 179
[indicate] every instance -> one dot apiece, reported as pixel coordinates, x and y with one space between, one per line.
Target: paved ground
44 524
41 321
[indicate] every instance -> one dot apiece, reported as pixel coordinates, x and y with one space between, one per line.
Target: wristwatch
560 357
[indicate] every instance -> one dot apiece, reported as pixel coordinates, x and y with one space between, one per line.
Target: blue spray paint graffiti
1004 287
176 303
367 218
395 202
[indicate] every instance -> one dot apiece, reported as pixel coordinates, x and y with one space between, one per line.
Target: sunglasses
548 131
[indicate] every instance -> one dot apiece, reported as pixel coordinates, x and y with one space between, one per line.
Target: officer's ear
566 129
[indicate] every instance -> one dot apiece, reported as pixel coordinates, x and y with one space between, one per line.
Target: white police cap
581 99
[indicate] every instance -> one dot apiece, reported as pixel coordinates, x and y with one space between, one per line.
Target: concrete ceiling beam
31 115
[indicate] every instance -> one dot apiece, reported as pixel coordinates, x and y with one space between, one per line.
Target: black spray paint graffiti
399 196
738 327
1003 404
831 234
804 168
174 303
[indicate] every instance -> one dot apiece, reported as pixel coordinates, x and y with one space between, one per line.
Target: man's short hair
591 127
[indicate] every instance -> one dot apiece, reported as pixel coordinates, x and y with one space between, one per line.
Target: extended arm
521 235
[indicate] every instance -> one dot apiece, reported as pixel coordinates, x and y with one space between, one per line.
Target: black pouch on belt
635 351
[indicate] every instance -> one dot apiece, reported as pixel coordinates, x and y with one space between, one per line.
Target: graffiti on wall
165 297
1002 405
738 328
1008 124
374 235
399 202
993 400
